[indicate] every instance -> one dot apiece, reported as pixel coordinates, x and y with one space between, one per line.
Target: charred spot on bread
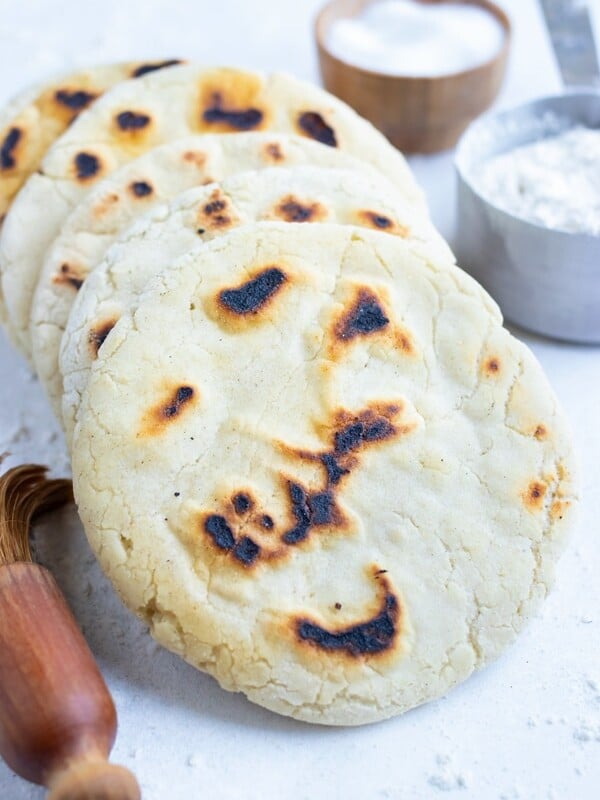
291 209
87 166
132 120
254 294
266 522
182 396
246 551
217 527
9 145
244 119
141 188
97 335
231 100
381 222
376 635
242 503
365 316
74 99
144 69
309 509
361 432
216 213
313 125
172 407
69 275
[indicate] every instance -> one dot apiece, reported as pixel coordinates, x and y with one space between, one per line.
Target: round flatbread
140 186
322 471
139 115
303 194
36 117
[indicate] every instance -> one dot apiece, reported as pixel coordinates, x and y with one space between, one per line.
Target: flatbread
37 116
134 190
302 194
160 107
322 471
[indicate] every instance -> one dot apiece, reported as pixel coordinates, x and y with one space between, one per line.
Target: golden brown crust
231 103
252 303
70 275
366 316
176 402
381 222
216 214
378 634
97 335
294 209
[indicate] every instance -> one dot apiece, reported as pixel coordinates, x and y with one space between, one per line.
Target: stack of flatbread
305 450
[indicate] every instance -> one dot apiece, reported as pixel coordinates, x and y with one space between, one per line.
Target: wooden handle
94 780
57 718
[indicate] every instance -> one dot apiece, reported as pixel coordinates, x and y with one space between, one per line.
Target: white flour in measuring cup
554 182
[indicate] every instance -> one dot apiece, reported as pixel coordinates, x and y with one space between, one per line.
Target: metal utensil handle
572 37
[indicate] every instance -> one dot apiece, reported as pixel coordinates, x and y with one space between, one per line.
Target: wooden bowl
418 115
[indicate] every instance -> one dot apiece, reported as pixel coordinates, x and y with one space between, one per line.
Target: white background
527 727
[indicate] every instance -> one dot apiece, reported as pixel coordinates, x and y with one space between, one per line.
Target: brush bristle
25 494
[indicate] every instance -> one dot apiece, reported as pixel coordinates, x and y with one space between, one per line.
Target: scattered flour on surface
594 685
587 732
512 794
447 778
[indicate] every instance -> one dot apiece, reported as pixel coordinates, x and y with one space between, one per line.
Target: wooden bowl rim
495 10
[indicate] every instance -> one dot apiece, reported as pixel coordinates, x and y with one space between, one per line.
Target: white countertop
527 727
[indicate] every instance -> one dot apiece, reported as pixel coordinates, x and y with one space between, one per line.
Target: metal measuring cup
544 280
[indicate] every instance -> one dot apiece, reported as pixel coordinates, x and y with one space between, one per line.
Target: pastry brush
57 718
